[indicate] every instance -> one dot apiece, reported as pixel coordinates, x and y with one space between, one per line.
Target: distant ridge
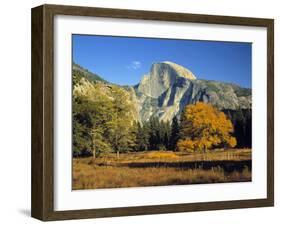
167 88
87 74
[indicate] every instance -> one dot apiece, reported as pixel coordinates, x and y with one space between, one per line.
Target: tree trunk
205 149
94 146
94 153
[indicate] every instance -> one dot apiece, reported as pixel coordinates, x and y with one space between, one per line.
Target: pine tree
175 133
142 137
132 137
154 133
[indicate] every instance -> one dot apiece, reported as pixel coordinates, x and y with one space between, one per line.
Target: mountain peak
162 76
182 71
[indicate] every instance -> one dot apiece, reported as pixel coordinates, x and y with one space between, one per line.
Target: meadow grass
159 168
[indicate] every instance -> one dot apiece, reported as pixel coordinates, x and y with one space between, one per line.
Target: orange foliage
232 142
184 145
204 127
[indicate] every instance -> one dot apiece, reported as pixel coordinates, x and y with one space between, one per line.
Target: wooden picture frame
43 112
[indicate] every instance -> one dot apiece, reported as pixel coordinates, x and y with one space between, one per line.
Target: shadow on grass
227 165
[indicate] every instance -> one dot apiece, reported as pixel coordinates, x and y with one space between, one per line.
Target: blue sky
124 61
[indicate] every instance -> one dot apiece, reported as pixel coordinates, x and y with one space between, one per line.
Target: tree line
103 122
242 123
98 128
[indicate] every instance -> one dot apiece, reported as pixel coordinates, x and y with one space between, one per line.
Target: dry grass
161 155
161 168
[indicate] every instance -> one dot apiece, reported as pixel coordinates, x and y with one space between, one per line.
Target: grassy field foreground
159 168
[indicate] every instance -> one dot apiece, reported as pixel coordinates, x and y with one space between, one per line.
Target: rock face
169 87
161 77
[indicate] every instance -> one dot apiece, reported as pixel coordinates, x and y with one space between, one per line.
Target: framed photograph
142 112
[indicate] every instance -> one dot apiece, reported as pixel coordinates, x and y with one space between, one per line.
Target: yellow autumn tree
204 127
